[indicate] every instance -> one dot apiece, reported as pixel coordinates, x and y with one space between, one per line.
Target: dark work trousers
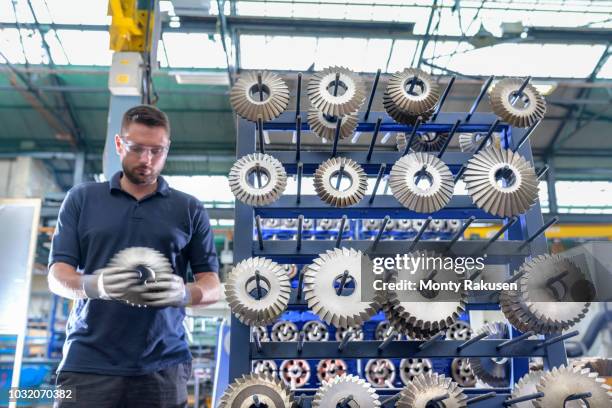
162 389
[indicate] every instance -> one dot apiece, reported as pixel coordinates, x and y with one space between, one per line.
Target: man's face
143 151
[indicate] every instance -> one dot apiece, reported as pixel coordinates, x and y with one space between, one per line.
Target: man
118 355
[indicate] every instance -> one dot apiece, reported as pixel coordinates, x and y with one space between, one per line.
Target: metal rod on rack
300 344
413 82
262 148
300 285
300 401
412 135
345 403
340 231
555 279
459 174
258 284
381 230
501 232
374 85
391 399
300 226
542 172
339 177
443 98
259 234
300 170
482 93
514 340
459 233
419 234
544 227
298 94
257 340
579 396
516 276
526 136
524 398
519 92
431 341
336 137
557 339
475 274
259 86
379 177
374 136
448 139
386 341
258 175
336 83
485 139
347 337
471 341
298 137
256 403
343 279
481 397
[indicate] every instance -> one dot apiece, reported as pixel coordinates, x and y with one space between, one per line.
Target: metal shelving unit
522 239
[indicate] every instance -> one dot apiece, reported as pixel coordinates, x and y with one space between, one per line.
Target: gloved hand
110 283
167 290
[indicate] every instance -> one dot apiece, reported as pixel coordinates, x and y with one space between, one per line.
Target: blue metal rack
522 239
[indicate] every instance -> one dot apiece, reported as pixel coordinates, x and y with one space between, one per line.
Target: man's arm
206 289
65 281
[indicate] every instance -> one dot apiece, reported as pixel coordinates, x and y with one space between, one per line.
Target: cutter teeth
332 393
324 126
562 382
434 188
346 309
501 182
535 306
469 142
241 291
272 174
348 100
325 187
525 386
425 387
246 101
492 371
429 142
518 115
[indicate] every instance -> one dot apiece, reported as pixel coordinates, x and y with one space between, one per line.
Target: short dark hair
147 115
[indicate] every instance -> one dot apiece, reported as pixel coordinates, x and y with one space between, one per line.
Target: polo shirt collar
162 184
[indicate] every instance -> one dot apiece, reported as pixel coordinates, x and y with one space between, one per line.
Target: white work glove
166 290
111 283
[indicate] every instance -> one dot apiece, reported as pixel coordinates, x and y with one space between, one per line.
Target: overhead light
202 78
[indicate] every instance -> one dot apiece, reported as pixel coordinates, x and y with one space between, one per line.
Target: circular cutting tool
409 94
460 330
337 390
314 330
340 182
332 288
469 142
462 372
546 300
257 291
294 373
501 182
269 391
384 330
412 367
559 384
355 330
265 367
324 126
520 111
261 331
285 330
330 368
494 371
343 99
251 98
424 389
421 182
429 141
380 372
257 179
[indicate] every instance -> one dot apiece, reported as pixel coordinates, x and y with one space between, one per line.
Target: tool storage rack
511 249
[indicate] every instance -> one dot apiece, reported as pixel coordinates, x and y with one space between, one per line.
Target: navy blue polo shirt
96 221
